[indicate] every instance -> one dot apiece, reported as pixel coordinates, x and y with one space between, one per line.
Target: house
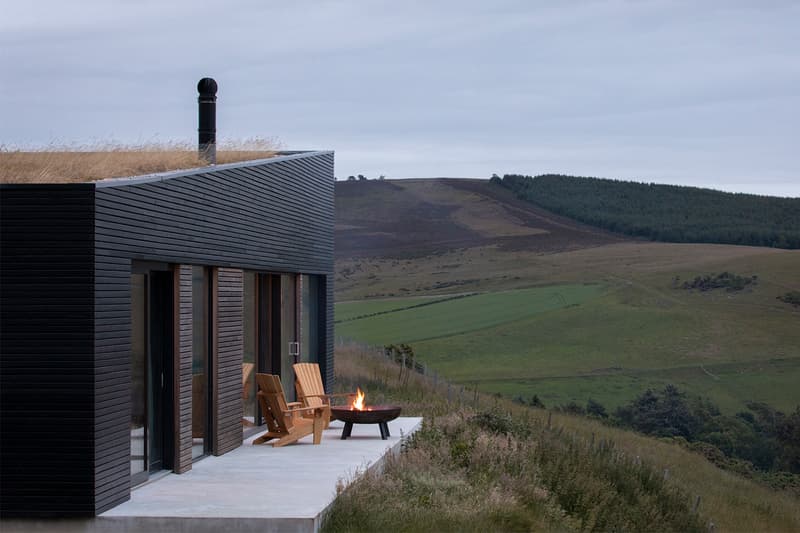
135 312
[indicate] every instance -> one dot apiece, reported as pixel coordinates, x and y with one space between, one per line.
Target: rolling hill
413 218
556 308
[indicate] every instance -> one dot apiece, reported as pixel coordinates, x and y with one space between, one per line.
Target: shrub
791 298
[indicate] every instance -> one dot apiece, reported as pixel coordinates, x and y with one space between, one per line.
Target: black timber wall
46 350
275 215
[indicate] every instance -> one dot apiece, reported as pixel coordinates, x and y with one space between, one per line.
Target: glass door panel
160 365
151 426
200 361
309 319
138 423
250 343
289 345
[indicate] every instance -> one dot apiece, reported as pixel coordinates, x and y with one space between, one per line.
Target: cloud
699 93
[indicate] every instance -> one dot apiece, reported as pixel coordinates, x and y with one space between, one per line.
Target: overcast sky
701 93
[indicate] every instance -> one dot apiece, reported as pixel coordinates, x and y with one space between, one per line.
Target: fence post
400 375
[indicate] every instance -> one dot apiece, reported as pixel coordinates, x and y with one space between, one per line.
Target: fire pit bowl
375 414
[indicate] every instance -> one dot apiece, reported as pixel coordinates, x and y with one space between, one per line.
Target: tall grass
482 463
73 164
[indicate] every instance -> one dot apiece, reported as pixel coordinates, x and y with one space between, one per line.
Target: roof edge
163 176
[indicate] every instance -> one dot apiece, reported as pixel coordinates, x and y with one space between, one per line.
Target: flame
358 403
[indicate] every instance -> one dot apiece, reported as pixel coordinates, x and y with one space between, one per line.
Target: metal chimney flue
207 120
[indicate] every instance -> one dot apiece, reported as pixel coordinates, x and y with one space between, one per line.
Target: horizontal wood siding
227 432
112 379
326 325
47 369
183 365
276 216
273 216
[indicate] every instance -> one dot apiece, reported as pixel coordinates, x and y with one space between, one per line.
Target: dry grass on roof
83 164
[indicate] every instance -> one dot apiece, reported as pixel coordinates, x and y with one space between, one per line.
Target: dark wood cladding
112 379
183 364
227 431
326 326
276 216
67 251
47 398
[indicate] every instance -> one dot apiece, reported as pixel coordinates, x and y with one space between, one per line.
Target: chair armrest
291 405
302 409
337 395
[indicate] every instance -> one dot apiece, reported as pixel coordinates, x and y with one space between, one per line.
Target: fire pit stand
379 414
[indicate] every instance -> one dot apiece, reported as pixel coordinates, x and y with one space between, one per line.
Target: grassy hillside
665 212
608 342
490 465
636 328
551 307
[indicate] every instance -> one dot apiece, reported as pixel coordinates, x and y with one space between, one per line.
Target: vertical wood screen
183 368
228 357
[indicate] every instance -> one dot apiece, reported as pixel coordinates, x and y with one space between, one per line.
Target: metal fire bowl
375 415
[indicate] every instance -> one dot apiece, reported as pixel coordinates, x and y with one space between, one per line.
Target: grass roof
85 164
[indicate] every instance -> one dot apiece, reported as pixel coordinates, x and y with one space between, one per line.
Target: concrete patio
253 488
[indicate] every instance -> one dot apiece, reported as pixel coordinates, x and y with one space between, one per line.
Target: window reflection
200 291
138 369
250 340
288 333
309 334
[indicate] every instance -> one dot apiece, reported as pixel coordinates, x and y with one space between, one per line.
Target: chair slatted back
308 380
247 371
273 403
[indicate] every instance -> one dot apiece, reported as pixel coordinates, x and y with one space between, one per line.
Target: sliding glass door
290 350
250 349
201 362
309 318
280 327
138 378
151 341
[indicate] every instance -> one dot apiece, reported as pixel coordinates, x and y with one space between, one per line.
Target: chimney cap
207 87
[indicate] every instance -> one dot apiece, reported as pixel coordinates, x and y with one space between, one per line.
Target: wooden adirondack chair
308 383
284 420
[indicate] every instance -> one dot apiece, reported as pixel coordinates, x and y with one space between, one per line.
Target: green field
346 311
608 342
454 317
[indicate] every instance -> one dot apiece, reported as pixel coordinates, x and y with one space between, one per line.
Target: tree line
760 442
668 213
